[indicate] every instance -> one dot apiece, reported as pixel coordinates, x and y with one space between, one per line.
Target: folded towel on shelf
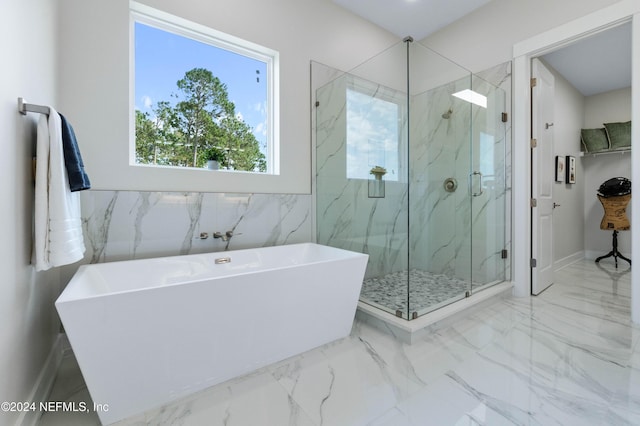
58 238
78 179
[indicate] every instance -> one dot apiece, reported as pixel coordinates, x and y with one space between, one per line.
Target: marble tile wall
121 225
345 216
440 149
452 233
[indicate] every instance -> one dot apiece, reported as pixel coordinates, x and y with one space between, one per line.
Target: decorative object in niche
376 185
571 169
594 140
619 134
560 166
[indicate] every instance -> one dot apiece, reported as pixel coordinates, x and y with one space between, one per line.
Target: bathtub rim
71 294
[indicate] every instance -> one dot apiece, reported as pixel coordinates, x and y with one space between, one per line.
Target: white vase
213 165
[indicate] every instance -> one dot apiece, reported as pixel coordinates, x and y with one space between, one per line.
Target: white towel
58 236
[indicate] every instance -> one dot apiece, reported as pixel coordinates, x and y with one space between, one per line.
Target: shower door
457 202
488 186
440 202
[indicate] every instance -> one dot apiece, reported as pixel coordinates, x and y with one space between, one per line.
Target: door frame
546 42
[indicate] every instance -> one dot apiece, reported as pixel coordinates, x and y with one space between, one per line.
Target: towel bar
24 108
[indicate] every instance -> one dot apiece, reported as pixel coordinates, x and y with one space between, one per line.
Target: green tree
203 120
146 138
242 146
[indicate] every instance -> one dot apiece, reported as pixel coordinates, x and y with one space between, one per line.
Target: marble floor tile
569 356
69 386
345 383
250 400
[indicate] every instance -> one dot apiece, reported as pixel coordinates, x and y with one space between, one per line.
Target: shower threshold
414 330
427 291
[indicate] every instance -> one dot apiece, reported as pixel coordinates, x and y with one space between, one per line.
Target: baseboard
44 383
592 254
566 261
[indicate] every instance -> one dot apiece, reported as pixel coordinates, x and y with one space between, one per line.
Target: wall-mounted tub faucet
225 237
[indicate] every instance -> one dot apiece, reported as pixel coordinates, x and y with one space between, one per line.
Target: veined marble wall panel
122 225
345 215
452 233
439 149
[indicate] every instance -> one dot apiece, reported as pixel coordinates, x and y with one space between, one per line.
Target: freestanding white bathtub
146 332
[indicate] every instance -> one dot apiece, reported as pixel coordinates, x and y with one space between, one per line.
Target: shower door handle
471 176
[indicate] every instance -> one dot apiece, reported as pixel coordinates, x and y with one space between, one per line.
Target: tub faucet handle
225 237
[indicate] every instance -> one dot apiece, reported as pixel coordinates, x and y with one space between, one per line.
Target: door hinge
534 82
504 254
534 143
534 263
533 202
317 103
505 117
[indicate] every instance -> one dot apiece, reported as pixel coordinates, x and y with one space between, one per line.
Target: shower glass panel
489 197
361 170
410 169
439 182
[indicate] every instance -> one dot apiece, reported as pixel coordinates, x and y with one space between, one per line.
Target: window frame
218 39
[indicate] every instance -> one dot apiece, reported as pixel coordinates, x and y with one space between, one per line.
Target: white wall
95 82
568 219
94 93
604 108
28 326
485 37
607 107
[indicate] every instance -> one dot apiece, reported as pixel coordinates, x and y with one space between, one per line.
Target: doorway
593 79
523 53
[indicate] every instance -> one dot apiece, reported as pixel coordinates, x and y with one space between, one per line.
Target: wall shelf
595 154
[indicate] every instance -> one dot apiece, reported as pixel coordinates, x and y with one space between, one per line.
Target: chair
615 218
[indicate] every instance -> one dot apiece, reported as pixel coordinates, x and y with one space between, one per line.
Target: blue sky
162 58
372 135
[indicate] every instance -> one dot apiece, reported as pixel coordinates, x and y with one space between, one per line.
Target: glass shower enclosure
410 169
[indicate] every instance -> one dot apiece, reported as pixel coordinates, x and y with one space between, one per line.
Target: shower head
447 114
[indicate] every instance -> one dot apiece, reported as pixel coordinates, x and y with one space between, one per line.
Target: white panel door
543 177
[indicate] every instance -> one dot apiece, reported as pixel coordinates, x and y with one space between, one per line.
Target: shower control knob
450 184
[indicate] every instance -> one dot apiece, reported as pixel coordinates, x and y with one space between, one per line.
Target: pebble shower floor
426 290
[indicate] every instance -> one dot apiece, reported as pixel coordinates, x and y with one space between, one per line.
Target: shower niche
411 167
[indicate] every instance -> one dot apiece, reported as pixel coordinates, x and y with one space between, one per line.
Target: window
201 95
373 133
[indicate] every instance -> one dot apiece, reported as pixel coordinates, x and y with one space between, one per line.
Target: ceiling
597 64
593 65
415 18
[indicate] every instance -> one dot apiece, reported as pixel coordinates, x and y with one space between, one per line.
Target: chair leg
615 253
